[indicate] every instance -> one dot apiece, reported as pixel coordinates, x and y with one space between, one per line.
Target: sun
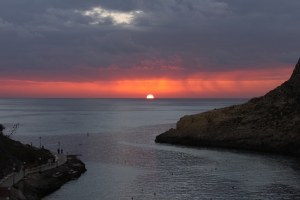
150 96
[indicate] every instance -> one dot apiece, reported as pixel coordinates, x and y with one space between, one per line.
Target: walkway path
7 183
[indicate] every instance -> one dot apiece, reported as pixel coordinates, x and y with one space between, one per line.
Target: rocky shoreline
37 186
270 123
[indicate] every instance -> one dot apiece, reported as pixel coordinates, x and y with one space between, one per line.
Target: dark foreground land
15 157
270 123
37 186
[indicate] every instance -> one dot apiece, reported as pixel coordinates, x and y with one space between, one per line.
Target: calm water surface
123 161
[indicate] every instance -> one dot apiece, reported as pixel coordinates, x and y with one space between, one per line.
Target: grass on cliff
13 154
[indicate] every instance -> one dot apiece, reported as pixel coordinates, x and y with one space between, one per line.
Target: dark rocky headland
13 154
37 186
270 123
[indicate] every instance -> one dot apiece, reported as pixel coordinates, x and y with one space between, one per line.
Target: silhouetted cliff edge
268 123
13 154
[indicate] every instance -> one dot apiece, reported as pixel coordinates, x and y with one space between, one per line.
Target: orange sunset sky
171 49
220 85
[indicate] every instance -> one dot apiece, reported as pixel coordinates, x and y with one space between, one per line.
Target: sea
115 139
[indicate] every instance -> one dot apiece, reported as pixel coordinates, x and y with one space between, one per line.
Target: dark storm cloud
206 35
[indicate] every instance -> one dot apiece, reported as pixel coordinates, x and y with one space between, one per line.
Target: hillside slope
268 123
13 154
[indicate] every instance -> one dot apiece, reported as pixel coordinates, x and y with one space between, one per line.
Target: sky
132 48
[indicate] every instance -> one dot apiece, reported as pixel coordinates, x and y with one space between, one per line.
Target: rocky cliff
13 154
268 123
37 186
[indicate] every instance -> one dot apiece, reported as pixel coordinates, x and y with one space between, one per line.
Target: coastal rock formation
37 186
268 123
13 154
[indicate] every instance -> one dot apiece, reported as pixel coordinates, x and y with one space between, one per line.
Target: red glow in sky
128 49
209 85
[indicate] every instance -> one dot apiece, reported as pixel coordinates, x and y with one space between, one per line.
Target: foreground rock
13 154
37 186
268 123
